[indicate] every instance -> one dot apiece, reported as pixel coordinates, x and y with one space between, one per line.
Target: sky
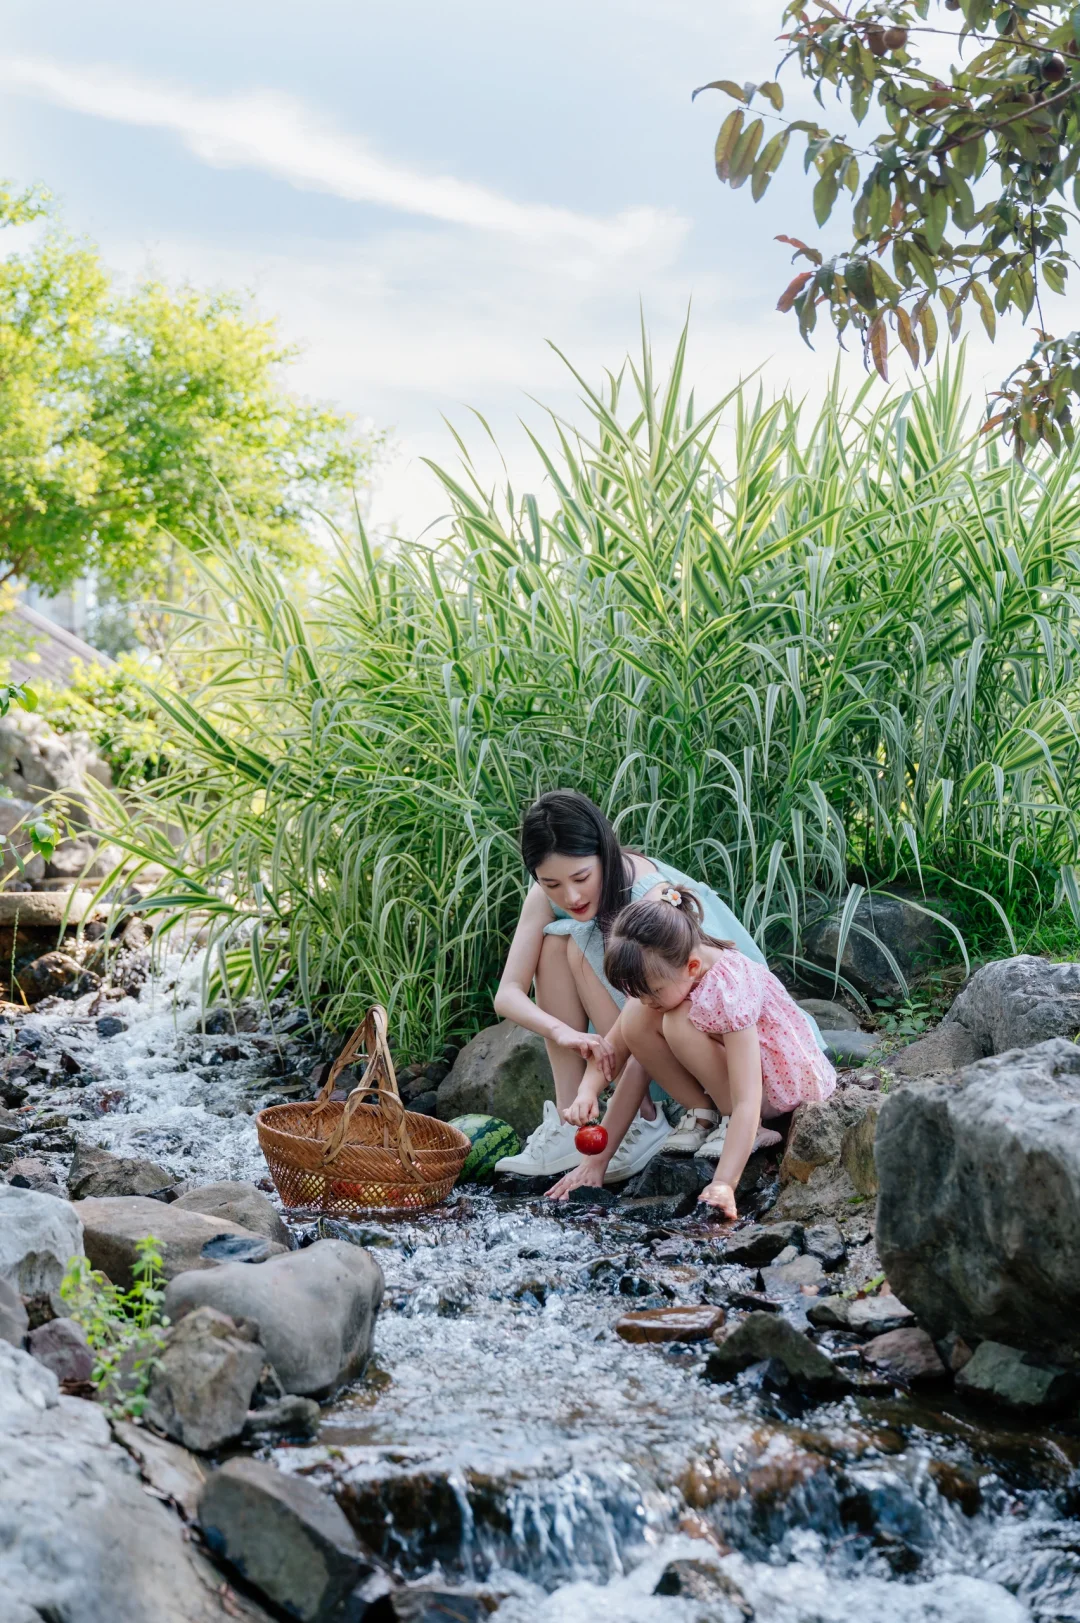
428 196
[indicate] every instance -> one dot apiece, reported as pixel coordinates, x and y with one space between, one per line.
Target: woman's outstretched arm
512 998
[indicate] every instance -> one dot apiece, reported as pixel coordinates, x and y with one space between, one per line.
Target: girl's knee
638 1021
676 1021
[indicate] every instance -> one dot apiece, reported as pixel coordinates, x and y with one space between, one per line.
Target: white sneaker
691 1131
643 1140
548 1149
713 1147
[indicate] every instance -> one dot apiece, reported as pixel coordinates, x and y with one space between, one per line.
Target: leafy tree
130 419
962 197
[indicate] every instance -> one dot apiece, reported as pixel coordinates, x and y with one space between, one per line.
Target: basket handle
379 1079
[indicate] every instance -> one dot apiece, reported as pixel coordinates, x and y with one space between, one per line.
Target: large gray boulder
96 1172
315 1310
504 1071
1017 1002
901 922
203 1380
238 1202
114 1224
978 1224
39 1235
83 1542
817 1131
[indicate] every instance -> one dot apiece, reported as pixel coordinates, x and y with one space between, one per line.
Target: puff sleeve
729 997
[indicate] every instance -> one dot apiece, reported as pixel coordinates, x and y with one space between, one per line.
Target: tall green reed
796 654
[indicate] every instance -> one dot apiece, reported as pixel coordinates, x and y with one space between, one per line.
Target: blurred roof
55 650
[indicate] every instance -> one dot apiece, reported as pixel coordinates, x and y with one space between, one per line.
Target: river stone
285 1536
289 1416
857 1147
762 1336
168 1468
48 976
12 814
114 1224
898 920
426 1605
1018 1002
824 1241
827 1192
315 1309
978 1220
1000 1374
848 1049
697 1581
238 1203
46 910
39 1235
12 1127
909 1356
830 1016
791 1274
201 1388
61 1345
83 1541
864 1315
943 1051
95 1172
14 1319
31 1172
504 1071
817 1130
658 1324
762 1242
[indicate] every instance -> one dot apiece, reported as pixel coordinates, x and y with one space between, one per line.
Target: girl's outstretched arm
743 1052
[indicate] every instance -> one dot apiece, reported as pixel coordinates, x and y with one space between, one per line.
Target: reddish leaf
793 289
877 341
907 337
809 253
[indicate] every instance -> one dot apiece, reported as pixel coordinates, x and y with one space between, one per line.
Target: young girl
733 1029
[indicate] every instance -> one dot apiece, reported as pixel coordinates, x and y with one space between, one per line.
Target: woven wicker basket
338 1158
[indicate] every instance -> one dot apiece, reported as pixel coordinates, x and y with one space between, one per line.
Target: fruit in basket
491 1139
591 1140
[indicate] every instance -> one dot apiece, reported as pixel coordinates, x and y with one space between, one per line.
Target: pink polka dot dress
736 993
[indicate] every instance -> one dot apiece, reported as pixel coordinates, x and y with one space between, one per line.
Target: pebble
670 1324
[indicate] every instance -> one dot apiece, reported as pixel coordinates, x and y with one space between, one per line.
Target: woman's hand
589 1175
594 1049
586 1107
722 1196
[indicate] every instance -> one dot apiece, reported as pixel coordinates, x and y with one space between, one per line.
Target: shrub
124 1328
841 651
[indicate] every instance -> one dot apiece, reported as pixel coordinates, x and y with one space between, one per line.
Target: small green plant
125 1329
910 1019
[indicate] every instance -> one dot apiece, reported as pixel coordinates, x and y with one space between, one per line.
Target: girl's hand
586 1107
593 1049
589 1175
722 1196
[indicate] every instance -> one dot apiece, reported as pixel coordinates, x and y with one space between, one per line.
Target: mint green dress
719 921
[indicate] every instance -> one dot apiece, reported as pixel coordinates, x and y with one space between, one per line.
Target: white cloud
277 134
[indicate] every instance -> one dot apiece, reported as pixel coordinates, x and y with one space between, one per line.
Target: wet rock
238 1248
169 1469
38 1238
109 1025
817 1130
824 1241
848 1048
424 1605
61 1345
862 1315
670 1175
239 1203
979 1215
662 1324
1000 1374
945 1050
14 1319
16 839
909 1356
898 921
764 1336
794 1274
761 1242
113 1225
48 976
31 1172
827 1192
95 1172
830 1016
1016 1003
285 1536
956 1486
315 1309
12 1127
697 1581
955 1352
658 1208
201 1387
857 1148
291 1416
83 1540
504 1072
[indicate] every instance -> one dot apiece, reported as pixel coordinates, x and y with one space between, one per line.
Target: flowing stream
504 1435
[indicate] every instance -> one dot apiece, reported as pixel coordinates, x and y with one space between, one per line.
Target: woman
583 877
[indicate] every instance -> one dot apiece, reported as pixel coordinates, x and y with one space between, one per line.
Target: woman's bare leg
644 1032
557 994
600 1006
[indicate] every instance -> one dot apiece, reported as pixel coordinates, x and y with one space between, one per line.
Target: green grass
798 654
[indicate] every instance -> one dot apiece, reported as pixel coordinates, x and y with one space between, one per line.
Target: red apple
591 1140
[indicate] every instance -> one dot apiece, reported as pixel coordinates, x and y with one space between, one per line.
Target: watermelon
491 1139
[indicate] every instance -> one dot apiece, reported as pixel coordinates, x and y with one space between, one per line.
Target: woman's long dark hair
565 823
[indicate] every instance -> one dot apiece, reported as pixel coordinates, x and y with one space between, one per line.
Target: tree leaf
807 253
741 162
928 324
772 90
727 140
906 336
877 340
728 86
768 162
825 195
793 289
